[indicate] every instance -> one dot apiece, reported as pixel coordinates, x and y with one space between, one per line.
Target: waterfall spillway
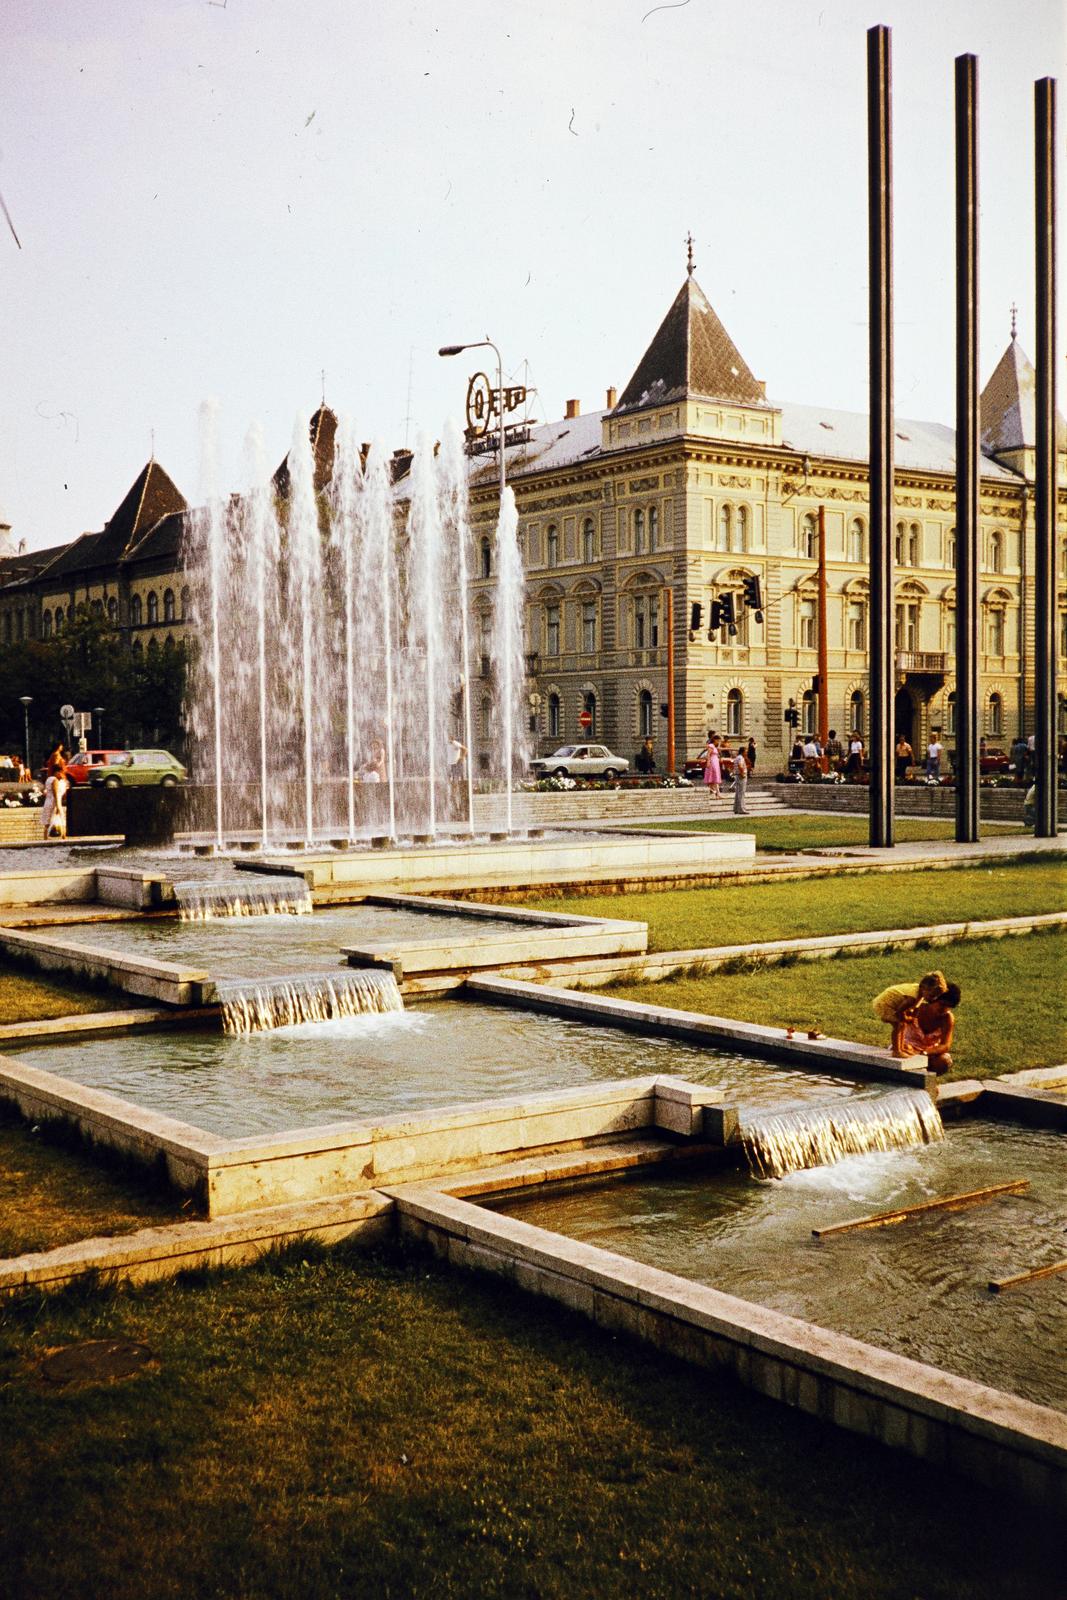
270 897
256 1007
777 1143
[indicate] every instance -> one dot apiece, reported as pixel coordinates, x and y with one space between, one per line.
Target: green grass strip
809 831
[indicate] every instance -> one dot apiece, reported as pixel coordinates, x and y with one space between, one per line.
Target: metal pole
967 452
668 595
824 652
880 255
1045 468
509 687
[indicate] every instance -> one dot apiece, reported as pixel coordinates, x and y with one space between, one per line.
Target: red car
694 766
83 762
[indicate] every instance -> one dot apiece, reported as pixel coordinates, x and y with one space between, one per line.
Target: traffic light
729 615
753 596
815 682
792 715
664 709
694 617
714 617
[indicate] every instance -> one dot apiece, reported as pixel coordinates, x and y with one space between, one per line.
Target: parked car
81 764
137 767
991 760
694 766
580 761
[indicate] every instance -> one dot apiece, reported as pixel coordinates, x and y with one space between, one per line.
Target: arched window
915 539
644 714
646 621
589 705
153 648
809 537
639 531
588 540
168 605
996 552
995 631
46 625
554 717
725 520
97 608
552 546
806 624
153 607
653 527
950 548
857 624
185 602
809 713
857 540
898 545
137 649
741 529
552 629
996 715
588 627
735 713
950 715
113 610
485 555
487 718
59 619
136 611
856 711
1061 716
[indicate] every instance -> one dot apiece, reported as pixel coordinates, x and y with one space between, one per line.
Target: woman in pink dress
712 767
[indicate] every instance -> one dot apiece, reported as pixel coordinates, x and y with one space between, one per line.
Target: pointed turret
692 355
1008 410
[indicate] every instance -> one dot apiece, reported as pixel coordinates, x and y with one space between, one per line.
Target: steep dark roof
323 431
691 354
25 567
1009 404
75 557
163 542
151 496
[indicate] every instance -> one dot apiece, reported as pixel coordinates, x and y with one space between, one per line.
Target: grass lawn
693 919
52 1195
378 1427
1011 1016
805 831
28 997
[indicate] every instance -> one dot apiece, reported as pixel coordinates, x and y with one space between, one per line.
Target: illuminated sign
487 406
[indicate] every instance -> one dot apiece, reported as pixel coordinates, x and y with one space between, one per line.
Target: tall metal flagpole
967 452
1045 464
880 250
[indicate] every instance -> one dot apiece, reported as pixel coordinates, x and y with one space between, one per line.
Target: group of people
922 1018
14 770
844 758
720 761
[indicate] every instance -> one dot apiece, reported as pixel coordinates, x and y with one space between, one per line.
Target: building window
168 605
996 715
646 622
857 625
153 607
46 625
112 610
996 552
950 630
588 540
588 626
1063 632
809 713
725 519
639 532
552 630
485 559
20 626
915 539
552 546
741 529
589 705
644 714
950 715
735 713
7 627
137 648
59 619
898 545
185 603
553 716
809 537
653 527
857 540
855 712
487 718
995 633
1061 721
97 608
950 548
136 611
906 626
806 625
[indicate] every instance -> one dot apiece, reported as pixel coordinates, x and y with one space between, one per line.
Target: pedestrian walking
740 784
712 767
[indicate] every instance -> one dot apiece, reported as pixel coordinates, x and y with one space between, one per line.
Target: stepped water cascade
258 897
776 1143
257 1007
334 678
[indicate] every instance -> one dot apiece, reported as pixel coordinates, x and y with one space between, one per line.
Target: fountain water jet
258 1007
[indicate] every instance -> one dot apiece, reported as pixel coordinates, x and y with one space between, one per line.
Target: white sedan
580 761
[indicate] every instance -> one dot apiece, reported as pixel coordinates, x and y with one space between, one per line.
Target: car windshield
566 750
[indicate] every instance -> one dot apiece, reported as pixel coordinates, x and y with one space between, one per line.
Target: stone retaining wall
912 800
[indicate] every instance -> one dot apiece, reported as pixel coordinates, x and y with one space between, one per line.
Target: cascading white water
508 644
260 897
776 1143
332 690
251 1007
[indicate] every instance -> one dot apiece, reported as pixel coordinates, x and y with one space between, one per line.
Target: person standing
740 783
934 751
54 811
903 758
750 755
712 767
645 760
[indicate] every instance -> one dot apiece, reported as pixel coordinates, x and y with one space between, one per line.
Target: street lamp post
455 350
26 701
98 717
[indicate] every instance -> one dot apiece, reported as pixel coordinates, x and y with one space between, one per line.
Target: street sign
585 719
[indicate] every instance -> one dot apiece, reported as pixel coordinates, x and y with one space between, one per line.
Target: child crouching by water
921 1017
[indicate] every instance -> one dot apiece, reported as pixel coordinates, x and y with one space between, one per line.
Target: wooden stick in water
951 1202
996 1284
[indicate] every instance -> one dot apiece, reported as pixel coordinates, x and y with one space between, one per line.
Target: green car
140 766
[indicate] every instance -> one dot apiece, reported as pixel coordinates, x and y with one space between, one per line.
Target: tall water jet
456 533
425 613
211 534
508 638
776 1143
345 497
260 541
305 571
377 586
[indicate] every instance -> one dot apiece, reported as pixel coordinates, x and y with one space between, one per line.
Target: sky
227 198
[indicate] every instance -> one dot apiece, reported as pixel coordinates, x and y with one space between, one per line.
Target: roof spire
322 375
690 263
1014 313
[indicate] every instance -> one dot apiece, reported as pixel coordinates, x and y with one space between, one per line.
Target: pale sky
223 197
